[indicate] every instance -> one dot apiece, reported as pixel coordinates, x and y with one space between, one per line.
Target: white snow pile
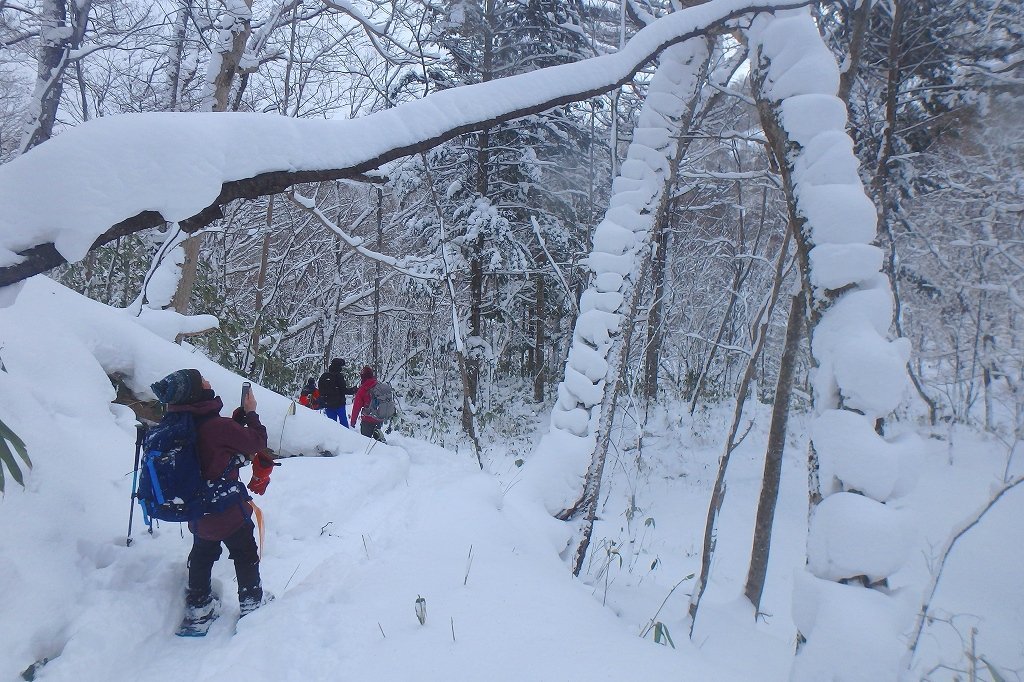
353 540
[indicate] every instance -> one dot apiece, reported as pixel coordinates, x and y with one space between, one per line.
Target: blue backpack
171 483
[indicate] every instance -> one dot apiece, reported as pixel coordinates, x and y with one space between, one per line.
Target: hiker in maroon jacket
368 426
223 444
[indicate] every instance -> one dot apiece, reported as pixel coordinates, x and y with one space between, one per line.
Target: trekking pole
140 434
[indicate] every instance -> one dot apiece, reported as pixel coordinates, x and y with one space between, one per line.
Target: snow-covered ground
353 540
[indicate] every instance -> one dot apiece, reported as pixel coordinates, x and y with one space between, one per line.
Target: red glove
260 475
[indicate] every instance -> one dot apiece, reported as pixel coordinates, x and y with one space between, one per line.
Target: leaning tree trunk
855 540
655 315
582 416
733 439
772 477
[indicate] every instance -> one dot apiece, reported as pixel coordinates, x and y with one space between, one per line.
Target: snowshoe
199 618
250 600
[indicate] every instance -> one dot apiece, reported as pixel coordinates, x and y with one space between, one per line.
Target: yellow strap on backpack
259 523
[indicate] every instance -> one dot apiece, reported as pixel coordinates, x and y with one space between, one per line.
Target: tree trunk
772 477
655 328
233 32
174 69
586 508
233 29
604 325
857 368
883 196
476 256
860 18
376 280
539 336
760 326
56 41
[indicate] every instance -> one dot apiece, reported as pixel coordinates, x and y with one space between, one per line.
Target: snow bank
853 634
853 453
851 535
90 341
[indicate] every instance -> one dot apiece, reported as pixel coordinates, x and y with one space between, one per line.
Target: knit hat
337 364
367 373
179 388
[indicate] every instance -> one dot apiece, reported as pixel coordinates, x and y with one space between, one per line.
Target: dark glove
239 415
260 475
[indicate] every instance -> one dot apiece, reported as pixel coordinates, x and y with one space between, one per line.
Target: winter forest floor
353 540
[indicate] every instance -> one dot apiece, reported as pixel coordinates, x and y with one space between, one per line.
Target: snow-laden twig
943 557
569 295
401 265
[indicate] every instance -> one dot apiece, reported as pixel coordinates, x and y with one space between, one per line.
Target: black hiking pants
242 550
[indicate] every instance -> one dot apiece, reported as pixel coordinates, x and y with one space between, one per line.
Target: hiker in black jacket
333 390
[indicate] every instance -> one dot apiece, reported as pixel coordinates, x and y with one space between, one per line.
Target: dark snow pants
242 550
371 430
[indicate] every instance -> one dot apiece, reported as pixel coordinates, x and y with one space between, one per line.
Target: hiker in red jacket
310 395
221 441
368 426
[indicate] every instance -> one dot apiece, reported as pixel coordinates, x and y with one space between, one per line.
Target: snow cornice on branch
119 175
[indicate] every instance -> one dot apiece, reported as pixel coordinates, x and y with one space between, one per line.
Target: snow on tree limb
568 475
124 174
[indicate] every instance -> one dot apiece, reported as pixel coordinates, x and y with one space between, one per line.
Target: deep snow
353 540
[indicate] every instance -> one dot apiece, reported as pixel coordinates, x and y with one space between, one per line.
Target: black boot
201 609
251 598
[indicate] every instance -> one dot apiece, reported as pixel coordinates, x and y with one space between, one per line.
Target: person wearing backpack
222 445
374 403
310 395
333 389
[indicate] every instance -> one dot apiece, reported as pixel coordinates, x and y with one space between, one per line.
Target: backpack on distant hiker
310 399
171 483
382 402
332 392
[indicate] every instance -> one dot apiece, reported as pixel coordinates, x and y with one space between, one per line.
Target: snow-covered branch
184 168
401 265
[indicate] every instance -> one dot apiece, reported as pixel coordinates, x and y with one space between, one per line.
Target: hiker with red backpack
222 445
373 405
